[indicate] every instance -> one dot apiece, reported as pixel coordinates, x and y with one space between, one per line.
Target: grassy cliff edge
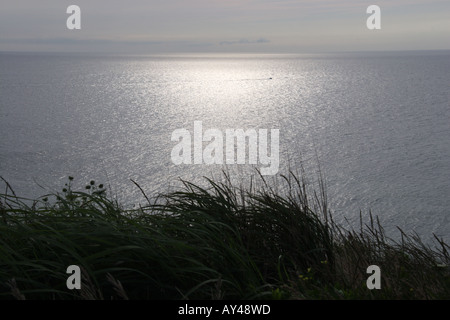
214 242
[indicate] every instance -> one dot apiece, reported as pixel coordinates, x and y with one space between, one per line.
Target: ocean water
376 124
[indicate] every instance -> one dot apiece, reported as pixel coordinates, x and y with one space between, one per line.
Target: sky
261 26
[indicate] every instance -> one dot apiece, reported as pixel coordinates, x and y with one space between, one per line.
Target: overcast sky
294 26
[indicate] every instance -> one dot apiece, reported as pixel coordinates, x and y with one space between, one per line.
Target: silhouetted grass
214 242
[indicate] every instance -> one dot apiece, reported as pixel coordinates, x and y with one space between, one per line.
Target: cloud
218 25
245 41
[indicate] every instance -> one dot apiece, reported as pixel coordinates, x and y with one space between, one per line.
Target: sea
374 127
